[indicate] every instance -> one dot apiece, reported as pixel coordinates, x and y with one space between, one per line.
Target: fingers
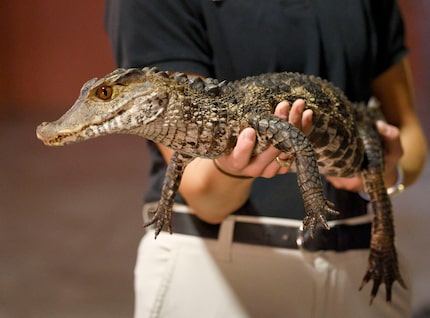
301 118
282 110
391 138
307 124
296 113
241 162
241 155
265 164
393 150
297 116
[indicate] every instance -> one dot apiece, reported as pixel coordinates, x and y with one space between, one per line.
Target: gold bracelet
229 174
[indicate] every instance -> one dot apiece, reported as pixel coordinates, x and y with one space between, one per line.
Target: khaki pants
187 276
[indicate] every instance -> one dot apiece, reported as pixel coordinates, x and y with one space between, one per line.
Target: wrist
398 186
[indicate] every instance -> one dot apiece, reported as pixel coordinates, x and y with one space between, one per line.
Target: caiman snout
47 133
40 131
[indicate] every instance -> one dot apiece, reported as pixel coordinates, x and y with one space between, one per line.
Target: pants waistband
345 234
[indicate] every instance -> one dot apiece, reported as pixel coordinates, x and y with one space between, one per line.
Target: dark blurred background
70 217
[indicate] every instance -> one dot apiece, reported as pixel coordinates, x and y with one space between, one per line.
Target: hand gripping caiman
203 118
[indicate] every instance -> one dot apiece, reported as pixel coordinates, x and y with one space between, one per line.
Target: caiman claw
383 268
316 210
159 218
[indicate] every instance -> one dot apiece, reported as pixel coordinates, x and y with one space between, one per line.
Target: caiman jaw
52 134
47 134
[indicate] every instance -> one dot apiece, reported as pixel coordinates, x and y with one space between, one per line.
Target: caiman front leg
383 265
292 141
172 180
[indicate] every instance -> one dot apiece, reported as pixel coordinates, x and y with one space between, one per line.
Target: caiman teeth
55 140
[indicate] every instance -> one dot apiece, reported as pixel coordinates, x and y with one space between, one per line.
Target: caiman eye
104 92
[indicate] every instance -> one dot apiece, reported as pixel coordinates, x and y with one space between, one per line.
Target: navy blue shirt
349 42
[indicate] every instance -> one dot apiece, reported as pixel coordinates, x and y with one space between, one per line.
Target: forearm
394 90
415 152
211 194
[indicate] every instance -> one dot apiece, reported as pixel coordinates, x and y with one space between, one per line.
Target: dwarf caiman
203 118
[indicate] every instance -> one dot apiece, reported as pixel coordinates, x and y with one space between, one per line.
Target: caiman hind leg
172 180
292 141
383 264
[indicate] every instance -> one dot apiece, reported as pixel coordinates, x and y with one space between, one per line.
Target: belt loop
225 238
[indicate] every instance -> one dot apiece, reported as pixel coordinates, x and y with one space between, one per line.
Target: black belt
339 238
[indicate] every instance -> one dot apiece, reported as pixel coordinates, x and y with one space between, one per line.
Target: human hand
240 161
393 151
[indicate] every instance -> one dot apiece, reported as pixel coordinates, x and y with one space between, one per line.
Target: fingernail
284 112
381 125
249 135
300 107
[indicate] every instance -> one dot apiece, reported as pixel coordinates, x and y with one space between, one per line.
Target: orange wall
49 48
416 13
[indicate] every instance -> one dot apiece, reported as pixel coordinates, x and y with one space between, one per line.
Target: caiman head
119 103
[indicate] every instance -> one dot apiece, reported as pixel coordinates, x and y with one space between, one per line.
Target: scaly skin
203 118
383 265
